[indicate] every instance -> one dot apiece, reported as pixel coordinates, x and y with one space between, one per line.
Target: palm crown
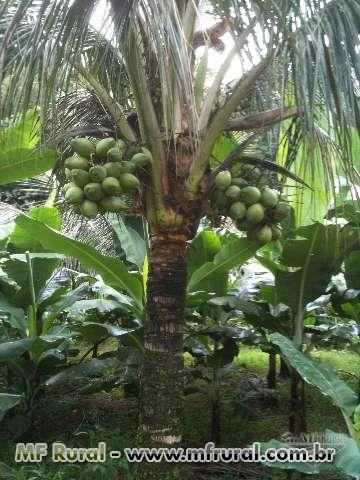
144 77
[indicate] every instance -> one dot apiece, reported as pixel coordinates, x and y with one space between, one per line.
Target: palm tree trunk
162 376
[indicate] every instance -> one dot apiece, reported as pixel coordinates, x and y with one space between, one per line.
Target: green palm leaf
113 271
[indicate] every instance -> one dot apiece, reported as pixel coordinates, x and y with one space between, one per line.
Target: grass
106 418
253 359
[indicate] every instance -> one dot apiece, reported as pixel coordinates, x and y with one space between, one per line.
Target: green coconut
111 186
114 154
263 235
233 192
250 195
89 209
103 146
129 182
255 213
237 211
281 211
97 173
74 195
93 191
127 167
269 197
80 177
75 161
113 204
113 169
239 181
223 180
140 160
83 146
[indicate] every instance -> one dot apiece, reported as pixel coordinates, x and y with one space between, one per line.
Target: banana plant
36 346
303 274
211 333
212 336
28 347
323 377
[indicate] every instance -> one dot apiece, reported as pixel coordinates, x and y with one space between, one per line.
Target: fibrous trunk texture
162 376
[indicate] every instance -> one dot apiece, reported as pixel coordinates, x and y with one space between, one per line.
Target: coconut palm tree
149 67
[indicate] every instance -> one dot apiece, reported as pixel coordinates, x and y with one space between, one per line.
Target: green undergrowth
244 420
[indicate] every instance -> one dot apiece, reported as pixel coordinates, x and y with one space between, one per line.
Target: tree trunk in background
297 416
271 375
284 369
162 376
215 405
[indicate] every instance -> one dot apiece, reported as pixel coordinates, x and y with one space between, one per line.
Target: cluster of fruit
101 178
255 209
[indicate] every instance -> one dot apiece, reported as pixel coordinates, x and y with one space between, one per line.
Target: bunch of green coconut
102 175
254 207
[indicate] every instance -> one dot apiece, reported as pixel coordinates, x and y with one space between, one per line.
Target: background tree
297 60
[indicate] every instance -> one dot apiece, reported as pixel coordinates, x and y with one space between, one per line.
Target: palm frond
314 65
25 194
97 233
8 213
317 158
56 35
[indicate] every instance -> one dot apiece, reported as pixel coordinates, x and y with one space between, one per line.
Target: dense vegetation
180 253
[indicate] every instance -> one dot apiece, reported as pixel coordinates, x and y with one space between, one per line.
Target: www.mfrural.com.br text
60 453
